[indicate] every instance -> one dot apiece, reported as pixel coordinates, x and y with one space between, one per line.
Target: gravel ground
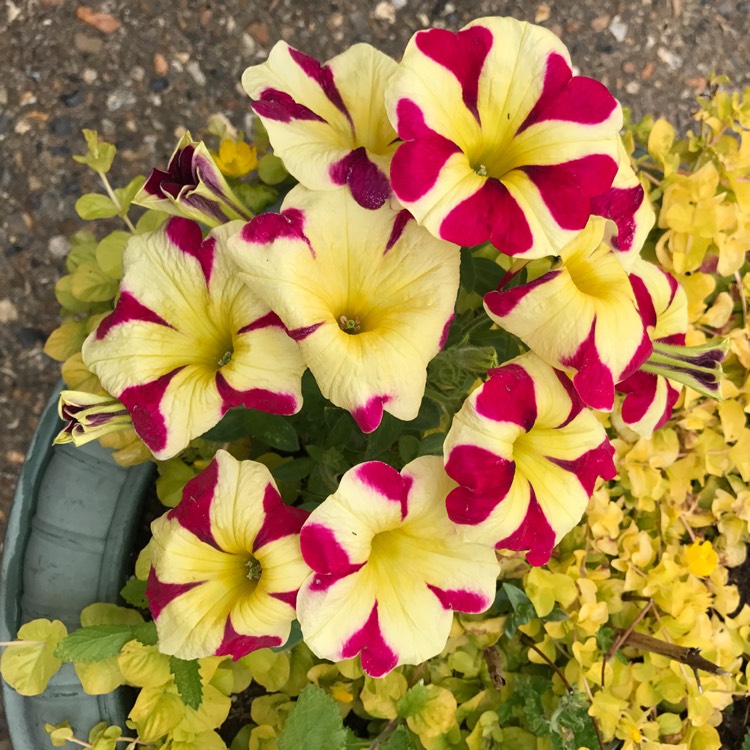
154 66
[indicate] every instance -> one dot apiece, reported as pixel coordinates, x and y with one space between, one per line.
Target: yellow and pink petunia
187 340
389 568
192 186
226 564
663 307
328 122
367 294
526 454
580 317
501 141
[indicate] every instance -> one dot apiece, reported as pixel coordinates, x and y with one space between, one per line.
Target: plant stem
113 196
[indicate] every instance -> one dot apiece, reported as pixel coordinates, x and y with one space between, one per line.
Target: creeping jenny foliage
551 665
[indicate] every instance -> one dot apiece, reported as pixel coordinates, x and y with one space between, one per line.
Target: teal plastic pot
69 537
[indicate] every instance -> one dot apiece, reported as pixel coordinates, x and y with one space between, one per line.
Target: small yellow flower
701 558
236 158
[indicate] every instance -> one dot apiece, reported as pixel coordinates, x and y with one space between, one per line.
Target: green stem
113 196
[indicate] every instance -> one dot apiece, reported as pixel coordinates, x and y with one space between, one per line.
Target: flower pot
69 537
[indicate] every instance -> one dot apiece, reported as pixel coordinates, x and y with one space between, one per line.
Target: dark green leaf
187 680
467 270
428 417
382 439
94 643
256 197
272 429
408 448
291 471
314 723
134 593
488 275
145 633
295 636
401 739
432 445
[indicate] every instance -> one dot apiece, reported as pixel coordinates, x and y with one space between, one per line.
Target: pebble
384 11
194 69
31 336
542 13
618 28
58 246
158 84
600 23
161 66
632 87
91 45
74 99
259 32
63 126
12 250
89 75
120 99
3 96
399 4
137 73
673 60
8 312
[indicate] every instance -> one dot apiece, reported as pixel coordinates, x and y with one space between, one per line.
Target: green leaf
401 739
488 275
100 153
274 430
151 220
428 417
512 600
292 471
271 170
28 667
134 593
145 633
241 740
746 741
432 445
59 734
91 284
109 253
408 448
295 636
571 724
256 197
96 206
414 701
314 723
82 247
187 679
126 194
468 275
94 643
382 439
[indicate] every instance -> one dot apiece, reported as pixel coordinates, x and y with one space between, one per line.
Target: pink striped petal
226 564
359 542
526 467
187 341
501 142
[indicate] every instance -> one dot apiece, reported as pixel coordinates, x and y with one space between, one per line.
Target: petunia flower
226 564
501 141
367 294
663 307
526 453
187 340
192 186
88 417
389 568
328 122
580 318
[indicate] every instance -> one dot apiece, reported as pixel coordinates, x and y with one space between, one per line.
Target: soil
147 68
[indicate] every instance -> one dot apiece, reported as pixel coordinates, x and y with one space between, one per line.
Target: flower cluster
479 150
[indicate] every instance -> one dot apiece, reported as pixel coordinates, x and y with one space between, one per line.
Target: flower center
254 569
225 358
350 325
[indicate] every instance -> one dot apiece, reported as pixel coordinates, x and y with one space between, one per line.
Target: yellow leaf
59 734
212 713
99 677
143 665
66 340
436 715
156 713
380 696
263 737
733 419
271 710
28 667
103 613
269 668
